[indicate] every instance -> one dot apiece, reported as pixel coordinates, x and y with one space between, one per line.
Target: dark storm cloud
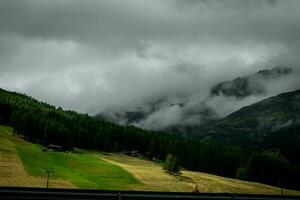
127 22
94 55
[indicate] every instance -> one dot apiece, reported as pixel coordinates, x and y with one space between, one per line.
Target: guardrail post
119 196
232 197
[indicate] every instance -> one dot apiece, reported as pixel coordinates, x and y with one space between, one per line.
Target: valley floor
24 164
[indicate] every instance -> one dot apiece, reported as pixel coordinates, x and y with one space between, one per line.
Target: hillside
155 179
270 127
13 172
47 125
254 125
22 164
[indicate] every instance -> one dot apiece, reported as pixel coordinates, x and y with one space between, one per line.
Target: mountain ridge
242 87
192 115
253 126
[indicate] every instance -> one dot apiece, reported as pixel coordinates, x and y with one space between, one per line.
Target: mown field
80 170
23 164
154 178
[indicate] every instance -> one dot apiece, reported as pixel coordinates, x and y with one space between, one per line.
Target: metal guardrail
13 193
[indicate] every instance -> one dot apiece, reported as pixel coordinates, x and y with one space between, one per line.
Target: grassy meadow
151 174
23 164
79 169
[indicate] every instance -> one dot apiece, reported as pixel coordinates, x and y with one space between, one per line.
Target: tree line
47 124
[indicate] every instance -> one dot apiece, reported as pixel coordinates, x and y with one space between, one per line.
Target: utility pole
281 186
48 172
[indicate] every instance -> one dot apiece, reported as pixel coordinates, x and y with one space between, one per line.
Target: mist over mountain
114 55
166 114
189 113
249 85
270 123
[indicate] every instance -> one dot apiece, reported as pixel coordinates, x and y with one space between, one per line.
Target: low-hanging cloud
99 55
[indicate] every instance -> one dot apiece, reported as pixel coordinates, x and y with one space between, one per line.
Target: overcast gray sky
97 54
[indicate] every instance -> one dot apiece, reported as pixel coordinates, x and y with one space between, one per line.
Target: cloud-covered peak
97 55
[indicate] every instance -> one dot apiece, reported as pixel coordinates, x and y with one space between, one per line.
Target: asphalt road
10 193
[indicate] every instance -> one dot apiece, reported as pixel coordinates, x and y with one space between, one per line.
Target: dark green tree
172 165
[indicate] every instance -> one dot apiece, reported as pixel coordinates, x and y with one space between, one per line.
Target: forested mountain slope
46 124
253 125
271 124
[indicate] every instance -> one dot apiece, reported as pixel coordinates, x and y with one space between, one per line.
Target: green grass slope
81 169
154 179
12 171
93 170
